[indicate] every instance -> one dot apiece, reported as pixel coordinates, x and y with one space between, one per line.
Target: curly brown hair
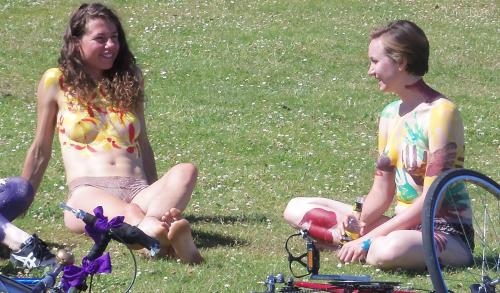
122 83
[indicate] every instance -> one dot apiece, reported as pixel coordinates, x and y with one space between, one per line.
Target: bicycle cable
134 275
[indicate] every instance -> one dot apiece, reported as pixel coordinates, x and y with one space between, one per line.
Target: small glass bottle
353 229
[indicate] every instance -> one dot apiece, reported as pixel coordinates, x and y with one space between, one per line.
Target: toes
165 225
167 218
176 214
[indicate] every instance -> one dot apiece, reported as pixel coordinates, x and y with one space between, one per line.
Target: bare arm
145 149
383 189
379 198
39 153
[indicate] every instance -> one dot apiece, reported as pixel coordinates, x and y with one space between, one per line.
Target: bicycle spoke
484 216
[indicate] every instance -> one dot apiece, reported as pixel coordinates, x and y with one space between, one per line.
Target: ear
402 64
76 44
75 41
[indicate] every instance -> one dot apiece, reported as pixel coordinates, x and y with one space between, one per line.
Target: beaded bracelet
365 245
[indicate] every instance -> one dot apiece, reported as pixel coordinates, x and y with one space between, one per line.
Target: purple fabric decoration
16 195
74 276
101 225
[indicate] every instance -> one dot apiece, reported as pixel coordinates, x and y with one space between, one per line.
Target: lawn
270 99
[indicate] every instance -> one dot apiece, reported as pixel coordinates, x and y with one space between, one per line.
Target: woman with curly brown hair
95 101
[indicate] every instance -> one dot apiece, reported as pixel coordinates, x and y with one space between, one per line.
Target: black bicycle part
312 256
125 233
341 278
434 197
129 234
99 247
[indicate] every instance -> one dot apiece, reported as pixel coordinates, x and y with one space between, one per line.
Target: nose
111 42
370 70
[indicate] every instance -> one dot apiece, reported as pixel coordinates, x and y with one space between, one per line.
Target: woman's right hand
350 224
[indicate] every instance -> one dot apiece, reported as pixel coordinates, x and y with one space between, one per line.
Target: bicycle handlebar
125 233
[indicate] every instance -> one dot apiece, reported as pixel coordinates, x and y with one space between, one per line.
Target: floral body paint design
420 145
94 126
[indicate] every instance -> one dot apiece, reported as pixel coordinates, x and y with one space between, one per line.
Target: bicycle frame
102 232
339 286
335 283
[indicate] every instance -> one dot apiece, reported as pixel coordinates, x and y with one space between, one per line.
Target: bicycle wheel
445 197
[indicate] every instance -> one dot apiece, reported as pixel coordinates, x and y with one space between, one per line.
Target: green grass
270 99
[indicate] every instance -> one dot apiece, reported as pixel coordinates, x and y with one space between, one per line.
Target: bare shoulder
388 115
443 105
49 85
391 110
51 77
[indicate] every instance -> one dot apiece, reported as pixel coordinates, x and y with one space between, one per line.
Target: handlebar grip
99 247
88 218
128 234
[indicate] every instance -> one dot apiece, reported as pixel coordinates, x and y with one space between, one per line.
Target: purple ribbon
74 276
101 225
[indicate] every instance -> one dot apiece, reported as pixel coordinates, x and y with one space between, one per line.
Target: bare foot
170 217
174 234
181 239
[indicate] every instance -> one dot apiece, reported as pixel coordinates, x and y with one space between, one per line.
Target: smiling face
383 68
99 46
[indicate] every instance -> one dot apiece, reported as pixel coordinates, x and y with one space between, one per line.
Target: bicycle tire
435 195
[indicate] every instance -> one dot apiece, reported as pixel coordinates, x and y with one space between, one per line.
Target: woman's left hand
352 251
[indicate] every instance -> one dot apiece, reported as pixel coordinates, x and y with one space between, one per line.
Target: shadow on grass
210 240
256 218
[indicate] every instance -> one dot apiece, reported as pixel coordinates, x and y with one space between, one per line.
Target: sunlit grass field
270 99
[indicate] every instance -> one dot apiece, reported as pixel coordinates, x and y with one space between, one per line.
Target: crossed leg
323 218
404 249
156 210
320 216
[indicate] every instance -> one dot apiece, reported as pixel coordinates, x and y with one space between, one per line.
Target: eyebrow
105 34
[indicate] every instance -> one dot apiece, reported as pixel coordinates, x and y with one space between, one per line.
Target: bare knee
294 206
73 223
188 172
16 195
383 252
184 174
394 252
133 214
